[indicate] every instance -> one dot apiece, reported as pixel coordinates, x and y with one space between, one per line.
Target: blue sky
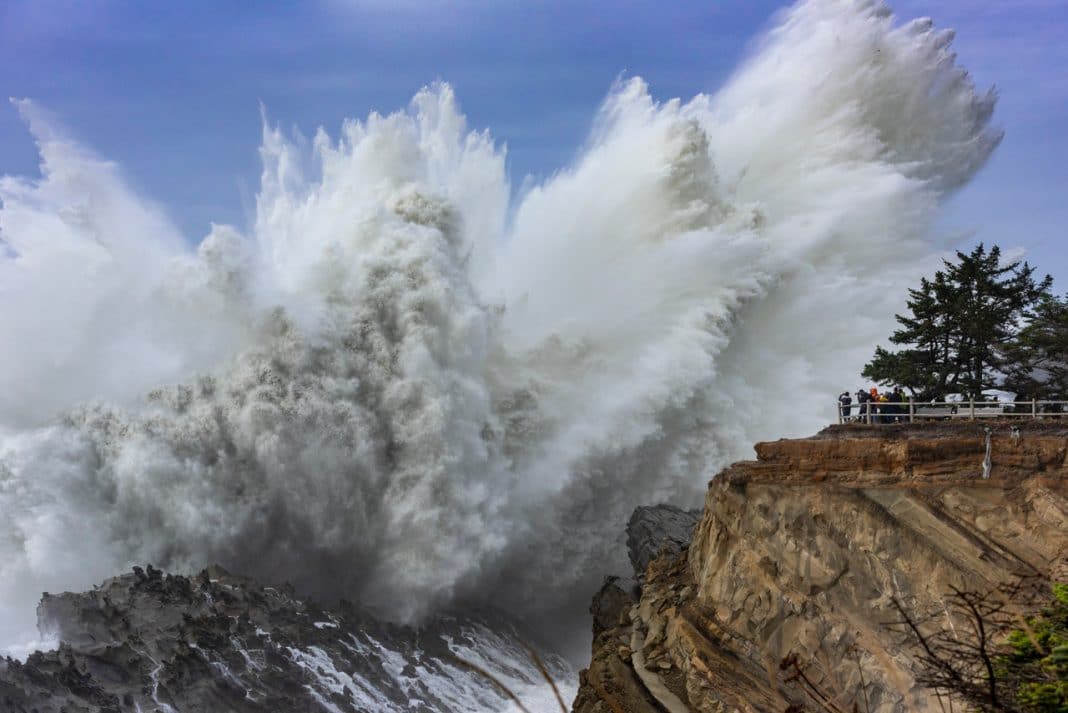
171 91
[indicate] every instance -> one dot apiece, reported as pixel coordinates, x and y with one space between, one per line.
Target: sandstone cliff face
800 552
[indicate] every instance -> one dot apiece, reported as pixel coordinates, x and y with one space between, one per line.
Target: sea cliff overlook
799 555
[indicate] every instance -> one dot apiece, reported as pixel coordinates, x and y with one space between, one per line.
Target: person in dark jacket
898 397
863 402
846 402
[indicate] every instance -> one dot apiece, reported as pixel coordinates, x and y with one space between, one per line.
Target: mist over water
403 386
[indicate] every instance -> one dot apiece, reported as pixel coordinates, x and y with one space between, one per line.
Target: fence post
1034 409
912 410
971 409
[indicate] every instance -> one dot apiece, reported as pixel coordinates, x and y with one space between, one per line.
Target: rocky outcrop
797 556
659 530
150 641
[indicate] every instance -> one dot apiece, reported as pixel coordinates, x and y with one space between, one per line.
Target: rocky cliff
215 642
796 558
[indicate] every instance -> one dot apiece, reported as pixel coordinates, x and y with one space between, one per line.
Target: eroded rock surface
658 530
798 555
150 641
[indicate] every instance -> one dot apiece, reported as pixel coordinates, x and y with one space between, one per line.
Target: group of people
885 407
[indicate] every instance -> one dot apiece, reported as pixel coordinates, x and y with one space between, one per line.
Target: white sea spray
399 387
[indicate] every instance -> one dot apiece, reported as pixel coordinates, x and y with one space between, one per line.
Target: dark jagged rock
658 529
152 641
612 603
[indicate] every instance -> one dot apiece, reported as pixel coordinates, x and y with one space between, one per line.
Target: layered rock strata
797 556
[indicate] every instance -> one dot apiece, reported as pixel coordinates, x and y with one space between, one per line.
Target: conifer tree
1037 359
960 326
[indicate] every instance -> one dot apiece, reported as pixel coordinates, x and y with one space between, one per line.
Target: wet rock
154 641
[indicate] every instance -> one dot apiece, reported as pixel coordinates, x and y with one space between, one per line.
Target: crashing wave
400 385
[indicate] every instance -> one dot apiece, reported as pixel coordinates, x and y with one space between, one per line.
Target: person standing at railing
846 401
863 404
897 396
873 405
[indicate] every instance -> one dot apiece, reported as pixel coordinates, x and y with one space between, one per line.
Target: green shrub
1036 659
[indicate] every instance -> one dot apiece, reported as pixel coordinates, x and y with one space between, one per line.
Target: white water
398 387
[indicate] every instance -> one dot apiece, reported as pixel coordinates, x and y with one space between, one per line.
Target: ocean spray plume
386 391
85 285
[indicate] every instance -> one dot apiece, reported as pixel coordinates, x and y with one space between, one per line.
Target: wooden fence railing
911 411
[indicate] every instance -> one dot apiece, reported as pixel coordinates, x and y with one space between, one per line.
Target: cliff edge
798 554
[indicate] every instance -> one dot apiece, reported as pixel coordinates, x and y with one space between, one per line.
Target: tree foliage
1037 658
1037 360
1006 651
960 327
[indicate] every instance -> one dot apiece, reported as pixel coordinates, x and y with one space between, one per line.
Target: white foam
20 650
